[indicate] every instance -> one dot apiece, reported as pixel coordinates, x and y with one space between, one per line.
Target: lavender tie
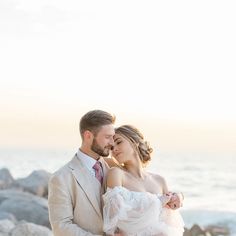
98 171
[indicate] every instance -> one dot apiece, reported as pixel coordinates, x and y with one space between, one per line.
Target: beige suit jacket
74 200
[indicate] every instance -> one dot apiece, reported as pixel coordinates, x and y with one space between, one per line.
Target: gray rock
217 230
25 206
36 183
187 232
7 216
6 178
211 230
19 195
30 229
6 226
196 230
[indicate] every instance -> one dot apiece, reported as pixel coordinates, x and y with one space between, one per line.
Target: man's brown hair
94 120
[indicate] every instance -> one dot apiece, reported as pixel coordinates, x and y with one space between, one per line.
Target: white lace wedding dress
139 214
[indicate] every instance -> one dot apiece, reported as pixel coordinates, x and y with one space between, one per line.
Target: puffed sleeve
129 211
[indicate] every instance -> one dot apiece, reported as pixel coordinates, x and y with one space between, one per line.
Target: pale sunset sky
167 67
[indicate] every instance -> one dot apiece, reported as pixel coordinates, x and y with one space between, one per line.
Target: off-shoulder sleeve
139 213
129 211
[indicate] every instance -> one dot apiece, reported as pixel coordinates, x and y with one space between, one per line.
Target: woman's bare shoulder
114 177
115 171
160 180
157 177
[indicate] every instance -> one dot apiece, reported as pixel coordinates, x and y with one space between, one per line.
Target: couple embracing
97 195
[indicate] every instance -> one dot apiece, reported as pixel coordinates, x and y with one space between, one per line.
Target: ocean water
208 181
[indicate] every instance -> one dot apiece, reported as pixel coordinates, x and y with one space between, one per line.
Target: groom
75 190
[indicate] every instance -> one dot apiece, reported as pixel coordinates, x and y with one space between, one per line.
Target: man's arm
61 210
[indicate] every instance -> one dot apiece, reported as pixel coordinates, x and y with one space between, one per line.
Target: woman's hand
176 201
165 198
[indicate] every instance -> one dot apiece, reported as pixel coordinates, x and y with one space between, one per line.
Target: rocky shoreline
24 207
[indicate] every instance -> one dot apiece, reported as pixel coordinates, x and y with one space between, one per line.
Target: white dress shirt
88 161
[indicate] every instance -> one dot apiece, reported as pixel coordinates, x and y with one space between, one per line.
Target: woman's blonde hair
136 137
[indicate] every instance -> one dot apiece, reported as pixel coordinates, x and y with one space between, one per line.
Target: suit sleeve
61 210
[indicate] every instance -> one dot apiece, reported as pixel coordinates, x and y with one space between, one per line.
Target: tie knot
97 166
98 171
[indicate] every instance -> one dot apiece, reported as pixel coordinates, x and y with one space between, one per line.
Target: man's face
103 141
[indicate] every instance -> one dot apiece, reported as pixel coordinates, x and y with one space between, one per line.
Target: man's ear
88 135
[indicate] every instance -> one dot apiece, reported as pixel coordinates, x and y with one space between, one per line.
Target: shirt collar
88 161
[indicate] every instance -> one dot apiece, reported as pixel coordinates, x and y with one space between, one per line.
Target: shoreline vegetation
24 207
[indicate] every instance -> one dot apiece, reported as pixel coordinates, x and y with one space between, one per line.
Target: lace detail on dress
139 214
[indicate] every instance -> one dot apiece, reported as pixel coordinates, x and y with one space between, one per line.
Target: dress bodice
139 214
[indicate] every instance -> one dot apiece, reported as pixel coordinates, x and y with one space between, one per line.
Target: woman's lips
117 154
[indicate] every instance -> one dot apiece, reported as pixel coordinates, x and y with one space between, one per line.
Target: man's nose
112 143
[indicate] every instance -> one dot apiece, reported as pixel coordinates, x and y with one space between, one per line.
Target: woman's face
123 150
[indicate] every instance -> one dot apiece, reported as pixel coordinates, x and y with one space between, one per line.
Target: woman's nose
114 149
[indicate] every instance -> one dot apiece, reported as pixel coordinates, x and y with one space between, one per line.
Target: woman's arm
114 177
165 189
176 200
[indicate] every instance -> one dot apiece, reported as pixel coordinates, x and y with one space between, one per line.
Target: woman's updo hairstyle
136 137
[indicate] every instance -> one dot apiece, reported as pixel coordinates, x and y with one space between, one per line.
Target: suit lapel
87 182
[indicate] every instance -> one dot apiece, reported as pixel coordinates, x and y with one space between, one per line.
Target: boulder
6 178
7 216
30 229
6 226
217 230
25 206
196 230
187 232
36 183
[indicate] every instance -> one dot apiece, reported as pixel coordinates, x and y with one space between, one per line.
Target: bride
137 202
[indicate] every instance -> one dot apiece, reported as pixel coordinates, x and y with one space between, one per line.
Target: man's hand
176 201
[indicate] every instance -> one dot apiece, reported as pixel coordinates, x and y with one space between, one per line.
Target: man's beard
104 152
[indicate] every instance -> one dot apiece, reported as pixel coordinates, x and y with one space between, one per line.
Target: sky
167 67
